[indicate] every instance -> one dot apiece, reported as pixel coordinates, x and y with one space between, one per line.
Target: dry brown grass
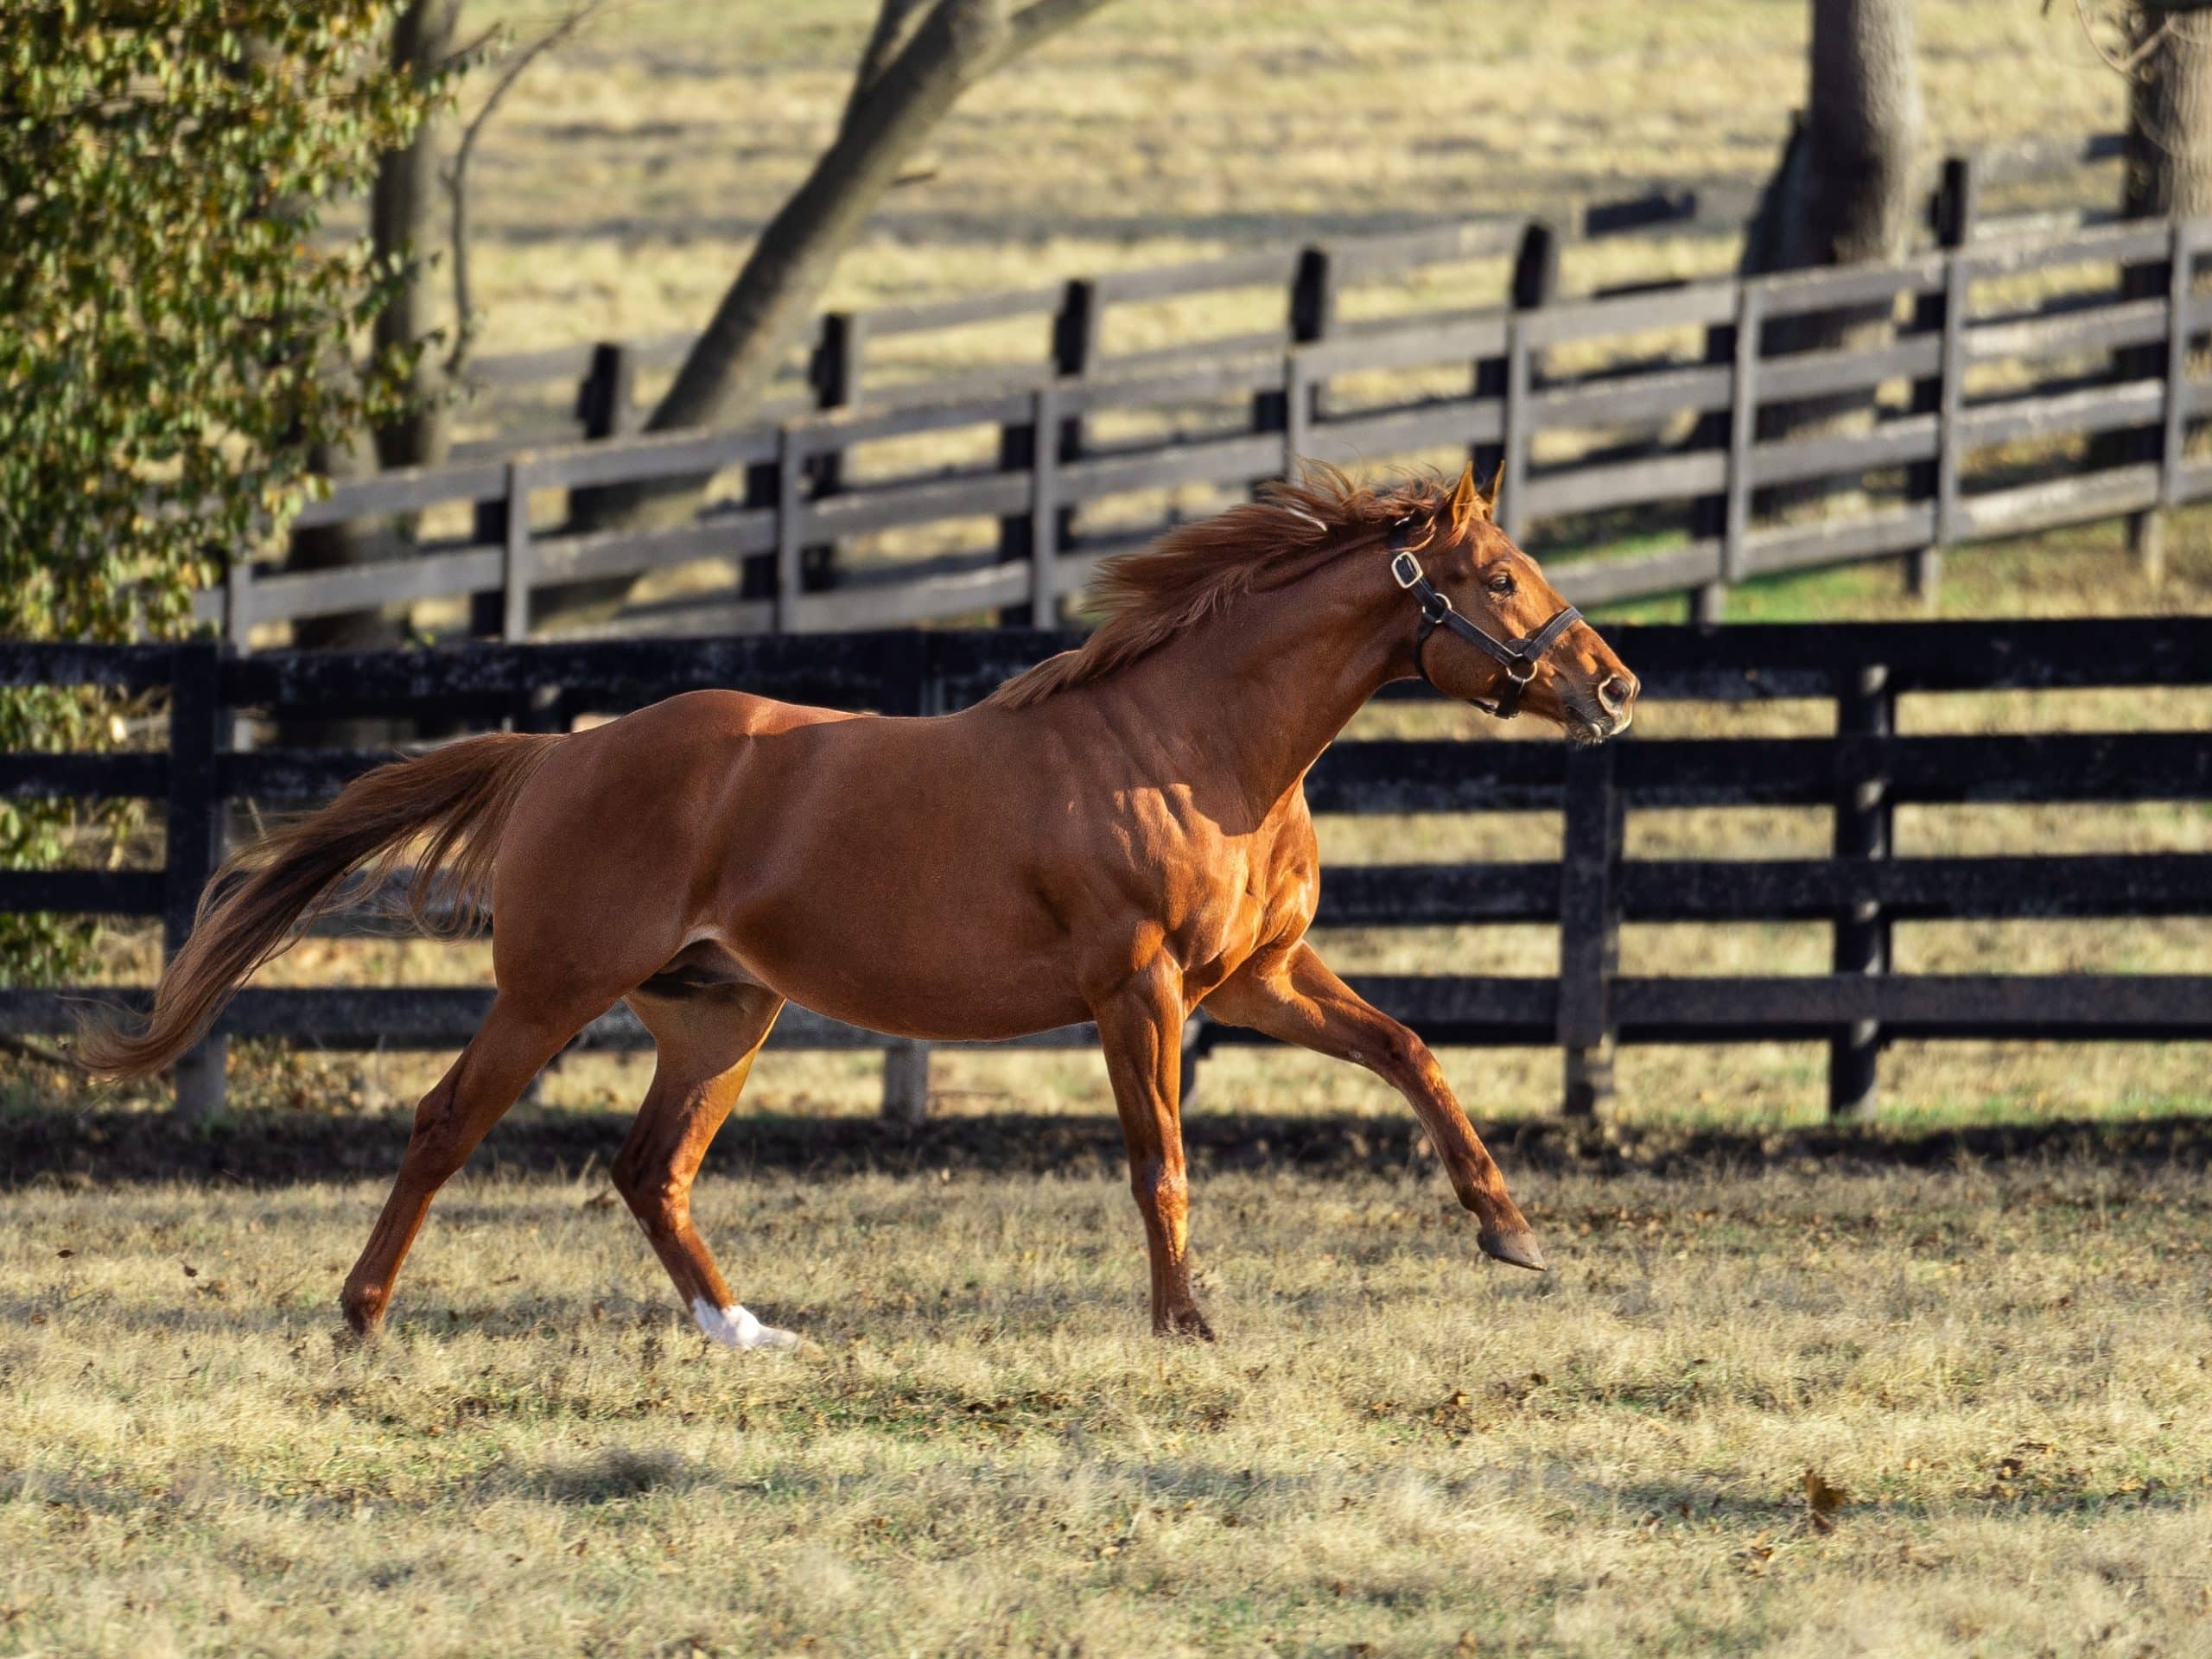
1398 1449
624 177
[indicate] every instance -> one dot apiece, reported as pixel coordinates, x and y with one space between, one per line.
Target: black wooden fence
2020 386
1862 772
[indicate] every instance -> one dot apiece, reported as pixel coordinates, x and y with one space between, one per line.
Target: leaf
1823 1499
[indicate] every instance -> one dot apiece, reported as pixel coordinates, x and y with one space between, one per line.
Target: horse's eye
1501 585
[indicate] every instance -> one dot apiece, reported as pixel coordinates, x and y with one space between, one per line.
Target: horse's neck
1257 692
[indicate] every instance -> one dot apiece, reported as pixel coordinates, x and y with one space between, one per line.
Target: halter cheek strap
1519 657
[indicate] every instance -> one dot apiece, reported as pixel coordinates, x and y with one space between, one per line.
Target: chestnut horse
1119 835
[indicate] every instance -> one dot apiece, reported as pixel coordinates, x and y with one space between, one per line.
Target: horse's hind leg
509 1047
707 1037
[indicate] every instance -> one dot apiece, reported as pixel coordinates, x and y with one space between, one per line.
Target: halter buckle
1405 569
1521 670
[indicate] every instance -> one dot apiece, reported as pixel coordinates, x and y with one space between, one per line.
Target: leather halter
1520 657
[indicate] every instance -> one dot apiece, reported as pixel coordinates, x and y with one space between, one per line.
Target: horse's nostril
1616 693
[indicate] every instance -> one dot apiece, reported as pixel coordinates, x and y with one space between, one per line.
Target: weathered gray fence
1632 428
1069 322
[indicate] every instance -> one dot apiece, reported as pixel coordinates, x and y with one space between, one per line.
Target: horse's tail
459 796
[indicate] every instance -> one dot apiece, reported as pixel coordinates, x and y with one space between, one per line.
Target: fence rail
1975 409
1070 321
1863 771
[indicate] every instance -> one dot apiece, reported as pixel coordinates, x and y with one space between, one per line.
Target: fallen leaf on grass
1823 1499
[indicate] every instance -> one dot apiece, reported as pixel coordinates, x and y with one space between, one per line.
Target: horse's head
1525 652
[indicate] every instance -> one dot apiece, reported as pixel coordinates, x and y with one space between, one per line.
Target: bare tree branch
896 23
460 55
1040 18
456 178
2134 60
953 44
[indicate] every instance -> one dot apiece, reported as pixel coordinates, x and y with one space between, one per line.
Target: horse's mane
1197 569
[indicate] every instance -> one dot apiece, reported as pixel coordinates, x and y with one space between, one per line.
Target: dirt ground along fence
1862 770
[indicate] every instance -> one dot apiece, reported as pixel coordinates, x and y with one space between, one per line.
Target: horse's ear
1490 498
1467 503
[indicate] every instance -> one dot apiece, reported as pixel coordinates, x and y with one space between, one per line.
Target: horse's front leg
1141 1024
1291 995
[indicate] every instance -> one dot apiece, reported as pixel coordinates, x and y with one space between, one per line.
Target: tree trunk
918 60
2169 174
403 221
2170 115
1847 191
1862 132
406 214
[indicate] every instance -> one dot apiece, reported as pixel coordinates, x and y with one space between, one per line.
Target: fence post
906 1080
515 558
1044 508
1312 317
790 514
1957 204
193 844
1718 429
238 601
1743 430
1025 537
2144 281
1952 216
1297 409
2173 425
1865 709
1589 928
834 372
1514 460
487 609
1019 440
606 398
1535 285
1075 350
1950 397
913 686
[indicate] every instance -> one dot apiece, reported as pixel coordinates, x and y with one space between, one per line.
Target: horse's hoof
735 1327
1519 1248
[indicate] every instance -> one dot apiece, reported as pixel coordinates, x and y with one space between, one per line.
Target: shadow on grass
1694 1503
81 1149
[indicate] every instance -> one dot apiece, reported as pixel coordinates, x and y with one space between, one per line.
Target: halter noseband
1520 657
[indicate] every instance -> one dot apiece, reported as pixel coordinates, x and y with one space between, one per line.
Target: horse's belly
977 1002
949 949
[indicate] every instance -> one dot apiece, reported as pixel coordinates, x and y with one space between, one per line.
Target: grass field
625 175
1397 1449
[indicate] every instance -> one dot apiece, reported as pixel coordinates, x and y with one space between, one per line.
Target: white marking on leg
736 1327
